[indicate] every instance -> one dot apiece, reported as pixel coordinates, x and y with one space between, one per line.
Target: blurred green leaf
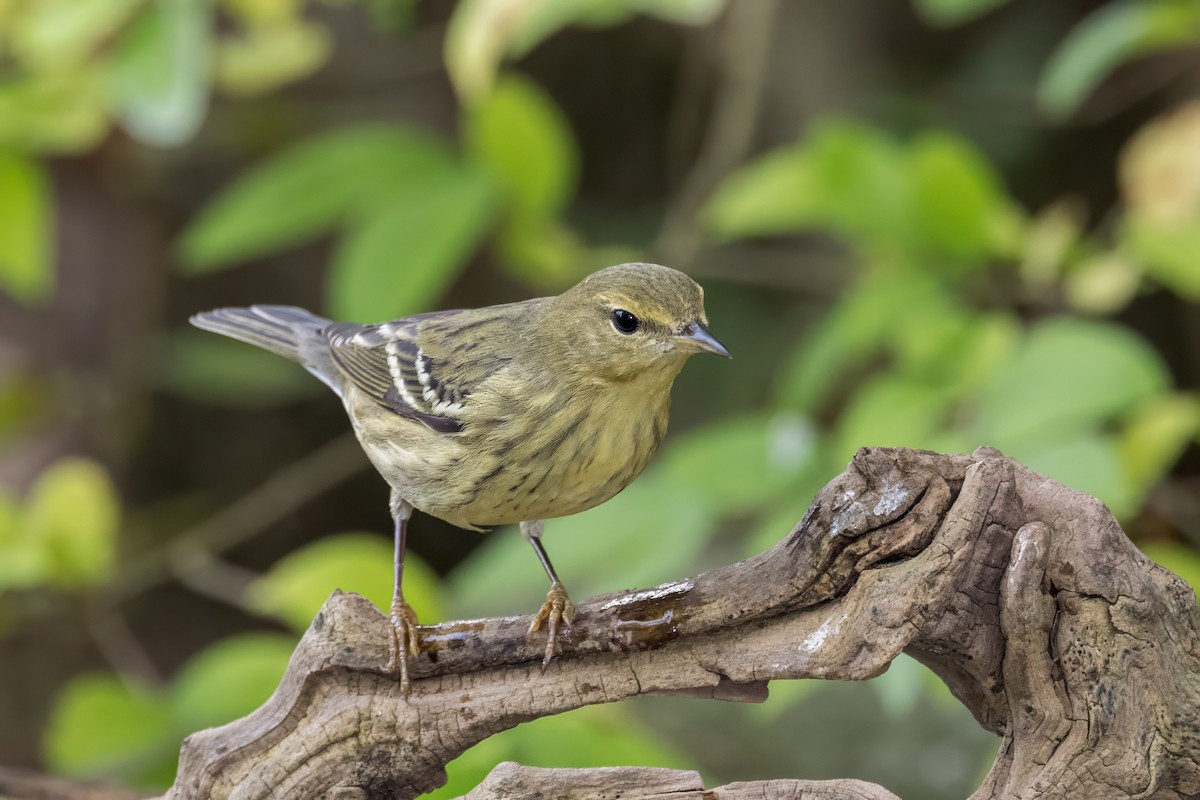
1156 435
1070 375
1110 36
266 57
22 561
1168 252
960 209
524 143
310 187
891 411
297 586
845 177
214 369
593 736
739 464
162 72
1104 283
1086 461
103 726
1184 561
401 259
768 196
72 513
26 264
948 13
64 111
483 33
229 679
648 534
53 34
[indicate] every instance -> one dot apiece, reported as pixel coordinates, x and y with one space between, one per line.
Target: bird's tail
283 330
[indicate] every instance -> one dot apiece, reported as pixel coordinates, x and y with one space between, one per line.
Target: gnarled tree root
1024 596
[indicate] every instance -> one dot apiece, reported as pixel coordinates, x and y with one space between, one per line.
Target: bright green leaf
1184 561
768 196
22 559
104 726
26 264
229 679
739 464
680 12
52 34
1069 374
958 202
948 13
309 188
1168 252
162 72
1088 462
593 736
891 411
400 260
1104 284
1106 39
524 143
64 111
213 369
844 177
296 587
1156 435
267 57
72 512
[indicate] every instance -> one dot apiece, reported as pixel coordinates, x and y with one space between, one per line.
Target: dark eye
624 321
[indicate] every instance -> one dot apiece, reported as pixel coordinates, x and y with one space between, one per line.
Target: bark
1024 596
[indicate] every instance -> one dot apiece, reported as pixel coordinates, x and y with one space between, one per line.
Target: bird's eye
624 321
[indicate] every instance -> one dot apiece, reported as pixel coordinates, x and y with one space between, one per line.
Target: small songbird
511 413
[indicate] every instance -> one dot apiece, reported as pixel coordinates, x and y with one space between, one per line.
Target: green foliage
1112 35
297 586
104 726
935 198
1180 559
26 265
947 13
524 143
401 258
594 736
64 534
162 72
228 680
484 32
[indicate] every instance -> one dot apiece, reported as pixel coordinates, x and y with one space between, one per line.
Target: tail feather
288 331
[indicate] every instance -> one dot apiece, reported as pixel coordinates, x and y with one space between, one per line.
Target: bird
513 413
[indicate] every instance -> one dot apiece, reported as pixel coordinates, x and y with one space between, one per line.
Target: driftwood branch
1024 596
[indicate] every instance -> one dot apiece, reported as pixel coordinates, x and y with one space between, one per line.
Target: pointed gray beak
695 336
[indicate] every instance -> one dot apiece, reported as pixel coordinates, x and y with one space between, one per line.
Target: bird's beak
696 337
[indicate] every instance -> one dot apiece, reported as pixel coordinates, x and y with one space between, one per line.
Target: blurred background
937 223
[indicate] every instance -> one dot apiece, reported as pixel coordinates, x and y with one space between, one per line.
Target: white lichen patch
657 593
891 499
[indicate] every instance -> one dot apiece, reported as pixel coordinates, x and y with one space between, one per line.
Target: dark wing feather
422 367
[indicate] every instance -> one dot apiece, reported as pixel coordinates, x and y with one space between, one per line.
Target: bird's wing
423 375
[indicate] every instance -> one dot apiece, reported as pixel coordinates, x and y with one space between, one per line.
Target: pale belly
495 479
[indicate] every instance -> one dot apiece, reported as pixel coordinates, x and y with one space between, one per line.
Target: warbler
511 413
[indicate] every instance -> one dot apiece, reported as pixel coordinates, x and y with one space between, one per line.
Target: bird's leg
404 641
558 608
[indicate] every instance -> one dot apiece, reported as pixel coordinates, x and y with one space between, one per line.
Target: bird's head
626 320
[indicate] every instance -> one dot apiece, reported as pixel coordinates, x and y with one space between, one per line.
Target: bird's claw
404 642
558 610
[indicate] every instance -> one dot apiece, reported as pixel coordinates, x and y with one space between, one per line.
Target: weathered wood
1023 595
510 781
